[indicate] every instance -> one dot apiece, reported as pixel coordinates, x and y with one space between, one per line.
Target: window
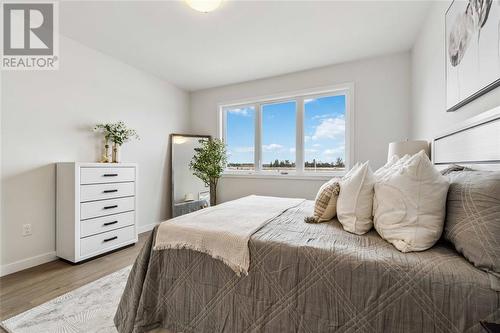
278 136
324 129
240 138
301 134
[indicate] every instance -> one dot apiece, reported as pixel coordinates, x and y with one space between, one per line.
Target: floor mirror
189 193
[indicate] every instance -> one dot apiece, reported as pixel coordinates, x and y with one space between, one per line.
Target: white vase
106 155
109 153
116 153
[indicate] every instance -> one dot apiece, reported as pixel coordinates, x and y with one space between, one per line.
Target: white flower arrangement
117 132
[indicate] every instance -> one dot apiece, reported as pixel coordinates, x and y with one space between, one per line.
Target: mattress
308 278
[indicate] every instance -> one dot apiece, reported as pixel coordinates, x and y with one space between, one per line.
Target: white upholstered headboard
475 142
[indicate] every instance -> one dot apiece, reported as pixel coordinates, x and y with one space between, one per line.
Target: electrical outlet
27 230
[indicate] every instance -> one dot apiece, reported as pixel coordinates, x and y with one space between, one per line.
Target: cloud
245 112
243 149
272 147
316 145
292 150
307 138
322 116
330 128
334 151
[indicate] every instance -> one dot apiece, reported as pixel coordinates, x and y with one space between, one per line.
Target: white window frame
346 89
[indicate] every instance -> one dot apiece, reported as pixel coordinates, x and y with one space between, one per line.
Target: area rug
88 309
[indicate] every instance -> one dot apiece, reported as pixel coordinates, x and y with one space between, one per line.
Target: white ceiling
242 40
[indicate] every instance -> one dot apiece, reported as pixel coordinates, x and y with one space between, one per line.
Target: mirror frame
172 135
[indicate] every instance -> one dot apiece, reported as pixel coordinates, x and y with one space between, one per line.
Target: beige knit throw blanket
223 231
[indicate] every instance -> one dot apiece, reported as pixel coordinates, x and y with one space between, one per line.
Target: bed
318 277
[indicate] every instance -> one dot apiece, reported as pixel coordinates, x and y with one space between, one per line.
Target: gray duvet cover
308 278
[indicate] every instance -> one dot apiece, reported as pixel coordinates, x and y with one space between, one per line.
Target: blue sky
324 129
240 135
278 132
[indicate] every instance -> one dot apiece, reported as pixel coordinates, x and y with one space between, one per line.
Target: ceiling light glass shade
204 6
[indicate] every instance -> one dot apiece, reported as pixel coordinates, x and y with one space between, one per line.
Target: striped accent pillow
325 205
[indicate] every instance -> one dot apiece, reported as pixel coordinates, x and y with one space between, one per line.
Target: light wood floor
24 290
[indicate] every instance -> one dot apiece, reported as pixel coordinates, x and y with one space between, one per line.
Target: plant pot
116 153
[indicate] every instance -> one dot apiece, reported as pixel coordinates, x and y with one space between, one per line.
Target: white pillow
410 204
355 201
387 167
386 170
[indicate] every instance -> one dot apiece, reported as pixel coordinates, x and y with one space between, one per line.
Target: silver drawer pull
110 223
111 207
109 191
110 239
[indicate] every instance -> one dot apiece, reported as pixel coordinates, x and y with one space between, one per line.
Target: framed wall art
472 50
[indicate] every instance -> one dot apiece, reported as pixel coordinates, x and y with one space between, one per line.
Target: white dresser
96 208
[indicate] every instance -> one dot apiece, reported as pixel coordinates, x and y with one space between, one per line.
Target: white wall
1 164
47 117
429 116
382 105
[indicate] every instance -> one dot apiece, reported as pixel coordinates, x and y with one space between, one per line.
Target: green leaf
209 161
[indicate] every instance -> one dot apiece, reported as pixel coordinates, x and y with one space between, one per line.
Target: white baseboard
49 256
27 263
145 228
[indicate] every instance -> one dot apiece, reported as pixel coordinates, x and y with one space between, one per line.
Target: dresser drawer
106 191
106 223
96 244
93 209
106 175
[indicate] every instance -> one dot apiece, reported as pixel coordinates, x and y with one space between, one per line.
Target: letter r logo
28 29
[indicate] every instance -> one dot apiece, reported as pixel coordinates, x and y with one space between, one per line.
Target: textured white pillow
410 204
387 167
355 201
386 171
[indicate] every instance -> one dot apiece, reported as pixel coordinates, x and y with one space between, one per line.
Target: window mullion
224 126
299 135
258 138
349 131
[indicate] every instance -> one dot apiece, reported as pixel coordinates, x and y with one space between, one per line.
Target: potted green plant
121 134
118 133
208 164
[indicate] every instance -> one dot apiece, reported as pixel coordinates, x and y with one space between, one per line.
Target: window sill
296 176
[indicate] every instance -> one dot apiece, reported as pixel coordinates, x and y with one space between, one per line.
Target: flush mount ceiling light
204 6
